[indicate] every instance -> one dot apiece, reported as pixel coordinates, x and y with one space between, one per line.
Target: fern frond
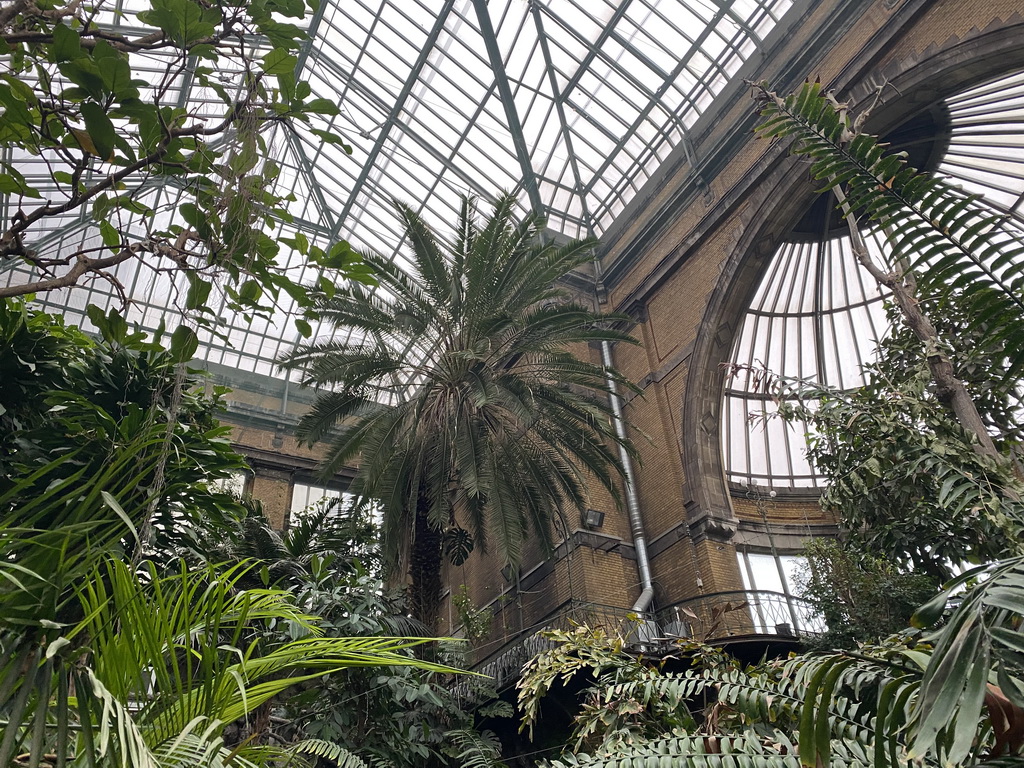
951 239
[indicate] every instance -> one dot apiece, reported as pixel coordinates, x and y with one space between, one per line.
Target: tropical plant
396 716
335 534
618 708
95 116
105 664
167 670
941 240
903 478
90 458
457 388
862 598
882 706
921 461
400 717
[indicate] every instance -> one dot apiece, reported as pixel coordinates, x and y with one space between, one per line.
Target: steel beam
511 114
396 110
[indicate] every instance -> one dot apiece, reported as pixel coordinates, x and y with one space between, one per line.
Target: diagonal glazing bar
396 110
663 89
507 100
562 122
426 143
593 48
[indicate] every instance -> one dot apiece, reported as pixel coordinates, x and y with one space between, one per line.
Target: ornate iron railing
505 663
723 615
708 618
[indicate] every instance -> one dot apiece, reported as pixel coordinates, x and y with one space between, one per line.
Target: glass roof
818 315
571 104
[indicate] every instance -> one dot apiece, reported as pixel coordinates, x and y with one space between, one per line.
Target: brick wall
685 268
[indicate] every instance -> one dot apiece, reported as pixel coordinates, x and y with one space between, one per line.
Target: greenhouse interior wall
683 260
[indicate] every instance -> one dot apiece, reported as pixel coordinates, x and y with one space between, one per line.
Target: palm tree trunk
425 568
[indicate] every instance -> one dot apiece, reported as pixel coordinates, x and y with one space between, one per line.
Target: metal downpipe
636 523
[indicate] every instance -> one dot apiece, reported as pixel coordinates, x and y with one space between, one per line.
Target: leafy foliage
862 597
951 240
381 716
97 106
904 478
105 664
458 390
160 666
878 706
86 437
331 535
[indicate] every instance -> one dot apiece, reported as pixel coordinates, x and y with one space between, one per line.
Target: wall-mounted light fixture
593 518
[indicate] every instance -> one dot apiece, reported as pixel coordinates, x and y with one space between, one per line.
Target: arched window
818 315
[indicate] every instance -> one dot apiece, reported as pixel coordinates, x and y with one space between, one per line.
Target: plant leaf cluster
109 662
459 387
100 104
950 239
878 706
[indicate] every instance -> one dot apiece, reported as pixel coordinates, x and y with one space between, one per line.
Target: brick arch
912 84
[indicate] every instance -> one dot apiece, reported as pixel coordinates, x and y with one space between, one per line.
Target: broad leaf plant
101 105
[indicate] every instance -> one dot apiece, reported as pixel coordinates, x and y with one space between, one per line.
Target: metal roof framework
570 104
818 316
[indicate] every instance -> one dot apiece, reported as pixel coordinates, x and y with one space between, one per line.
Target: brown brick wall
671 313
274 490
783 510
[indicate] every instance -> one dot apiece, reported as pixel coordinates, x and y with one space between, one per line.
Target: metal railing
708 618
505 663
723 615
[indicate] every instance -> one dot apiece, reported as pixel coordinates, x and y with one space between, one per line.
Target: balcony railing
505 664
723 615
709 618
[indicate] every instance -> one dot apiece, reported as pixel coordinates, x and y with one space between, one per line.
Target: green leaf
111 237
279 62
322 107
184 21
100 129
198 291
332 138
117 77
85 73
929 613
67 44
250 292
55 646
12 186
113 504
184 344
303 328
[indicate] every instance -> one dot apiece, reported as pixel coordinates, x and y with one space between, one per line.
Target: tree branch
82 266
950 390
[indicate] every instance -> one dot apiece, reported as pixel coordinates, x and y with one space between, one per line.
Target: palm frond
343 758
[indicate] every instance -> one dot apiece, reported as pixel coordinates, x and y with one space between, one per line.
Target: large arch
896 92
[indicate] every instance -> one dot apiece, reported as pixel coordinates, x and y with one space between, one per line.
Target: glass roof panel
817 315
570 104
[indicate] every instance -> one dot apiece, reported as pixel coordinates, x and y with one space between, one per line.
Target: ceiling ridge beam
580 189
515 126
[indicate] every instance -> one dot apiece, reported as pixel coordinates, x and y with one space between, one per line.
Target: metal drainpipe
636 522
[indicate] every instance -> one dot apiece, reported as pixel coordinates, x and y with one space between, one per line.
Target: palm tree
170 670
459 392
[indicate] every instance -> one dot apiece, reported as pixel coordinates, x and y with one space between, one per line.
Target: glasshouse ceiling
571 104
